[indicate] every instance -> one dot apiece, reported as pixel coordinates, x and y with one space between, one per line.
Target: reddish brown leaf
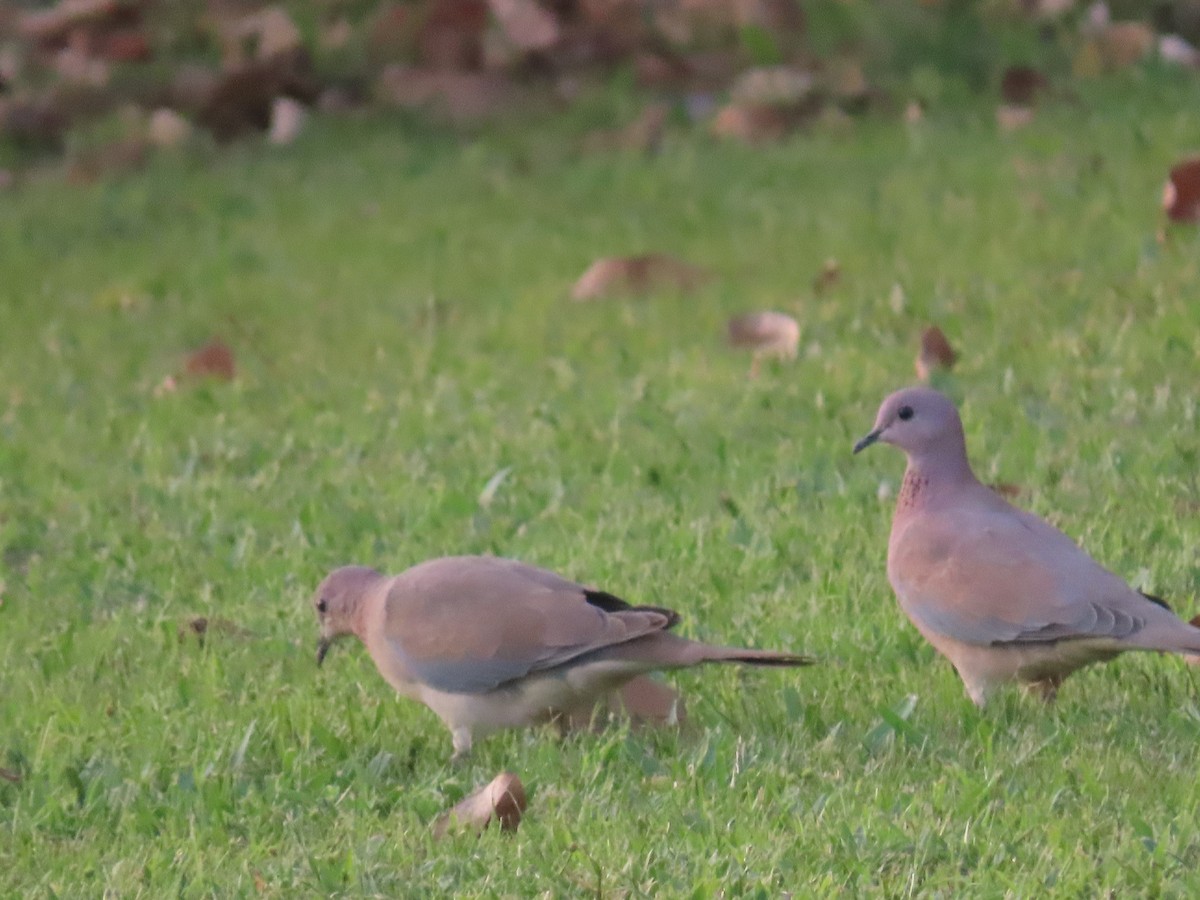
935 353
502 800
637 275
9 775
1181 194
213 360
202 626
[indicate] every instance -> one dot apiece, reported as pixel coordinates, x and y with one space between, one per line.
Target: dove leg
462 743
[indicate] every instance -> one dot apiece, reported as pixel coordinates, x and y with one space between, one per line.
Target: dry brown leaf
9 775
1020 85
502 799
637 275
1011 118
1181 194
213 360
935 353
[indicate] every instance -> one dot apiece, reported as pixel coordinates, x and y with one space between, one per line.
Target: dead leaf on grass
213 360
1181 194
637 276
9 775
502 800
935 354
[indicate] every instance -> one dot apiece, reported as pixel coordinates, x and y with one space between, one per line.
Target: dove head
925 425
337 602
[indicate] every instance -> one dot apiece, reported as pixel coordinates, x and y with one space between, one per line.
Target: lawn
397 301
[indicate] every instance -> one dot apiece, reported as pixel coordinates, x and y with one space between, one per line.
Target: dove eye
906 413
322 606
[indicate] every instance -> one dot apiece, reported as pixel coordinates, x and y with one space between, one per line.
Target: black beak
323 645
868 440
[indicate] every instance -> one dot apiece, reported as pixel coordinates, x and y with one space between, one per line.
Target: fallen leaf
935 353
830 275
1181 194
1020 85
9 775
637 275
214 359
502 800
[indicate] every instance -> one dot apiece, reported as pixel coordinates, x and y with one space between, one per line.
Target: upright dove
490 643
1002 594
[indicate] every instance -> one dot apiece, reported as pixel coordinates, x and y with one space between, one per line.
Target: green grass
397 303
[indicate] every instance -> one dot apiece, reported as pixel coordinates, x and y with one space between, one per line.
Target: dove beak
868 440
323 645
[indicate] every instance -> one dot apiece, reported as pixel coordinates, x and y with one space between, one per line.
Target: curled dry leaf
1181 194
637 275
9 775
213 360
502 799
935 353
